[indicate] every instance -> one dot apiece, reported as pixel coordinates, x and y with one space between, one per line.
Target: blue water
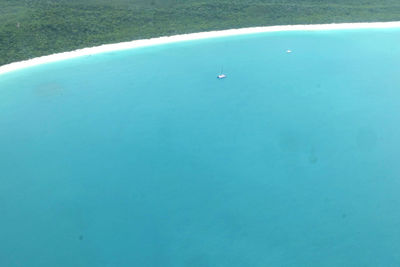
144 158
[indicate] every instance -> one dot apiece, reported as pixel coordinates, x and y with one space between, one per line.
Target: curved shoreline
189 37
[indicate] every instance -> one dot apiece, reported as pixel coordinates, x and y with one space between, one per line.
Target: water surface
144 158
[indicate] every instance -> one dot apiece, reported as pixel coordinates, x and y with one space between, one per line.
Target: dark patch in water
49 89
80 237
312 158
288 142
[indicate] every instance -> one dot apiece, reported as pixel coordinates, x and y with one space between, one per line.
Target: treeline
31 28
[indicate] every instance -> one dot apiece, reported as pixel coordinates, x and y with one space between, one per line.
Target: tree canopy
31 28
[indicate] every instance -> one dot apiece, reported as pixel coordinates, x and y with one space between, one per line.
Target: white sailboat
221 75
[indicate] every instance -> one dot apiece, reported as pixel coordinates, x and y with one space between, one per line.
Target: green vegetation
31 28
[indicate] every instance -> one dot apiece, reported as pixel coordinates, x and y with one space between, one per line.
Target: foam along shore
188 37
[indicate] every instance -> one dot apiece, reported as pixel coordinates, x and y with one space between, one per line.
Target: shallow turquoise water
144 158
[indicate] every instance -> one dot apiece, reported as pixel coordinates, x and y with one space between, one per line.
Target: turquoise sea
143 158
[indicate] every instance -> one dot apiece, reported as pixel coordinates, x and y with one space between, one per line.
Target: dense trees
34 28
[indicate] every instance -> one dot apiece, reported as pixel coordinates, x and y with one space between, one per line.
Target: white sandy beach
188 37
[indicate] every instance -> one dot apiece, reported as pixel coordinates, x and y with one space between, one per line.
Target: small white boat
222 75
288 51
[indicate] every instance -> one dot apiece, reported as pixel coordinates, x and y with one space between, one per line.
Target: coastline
189 37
